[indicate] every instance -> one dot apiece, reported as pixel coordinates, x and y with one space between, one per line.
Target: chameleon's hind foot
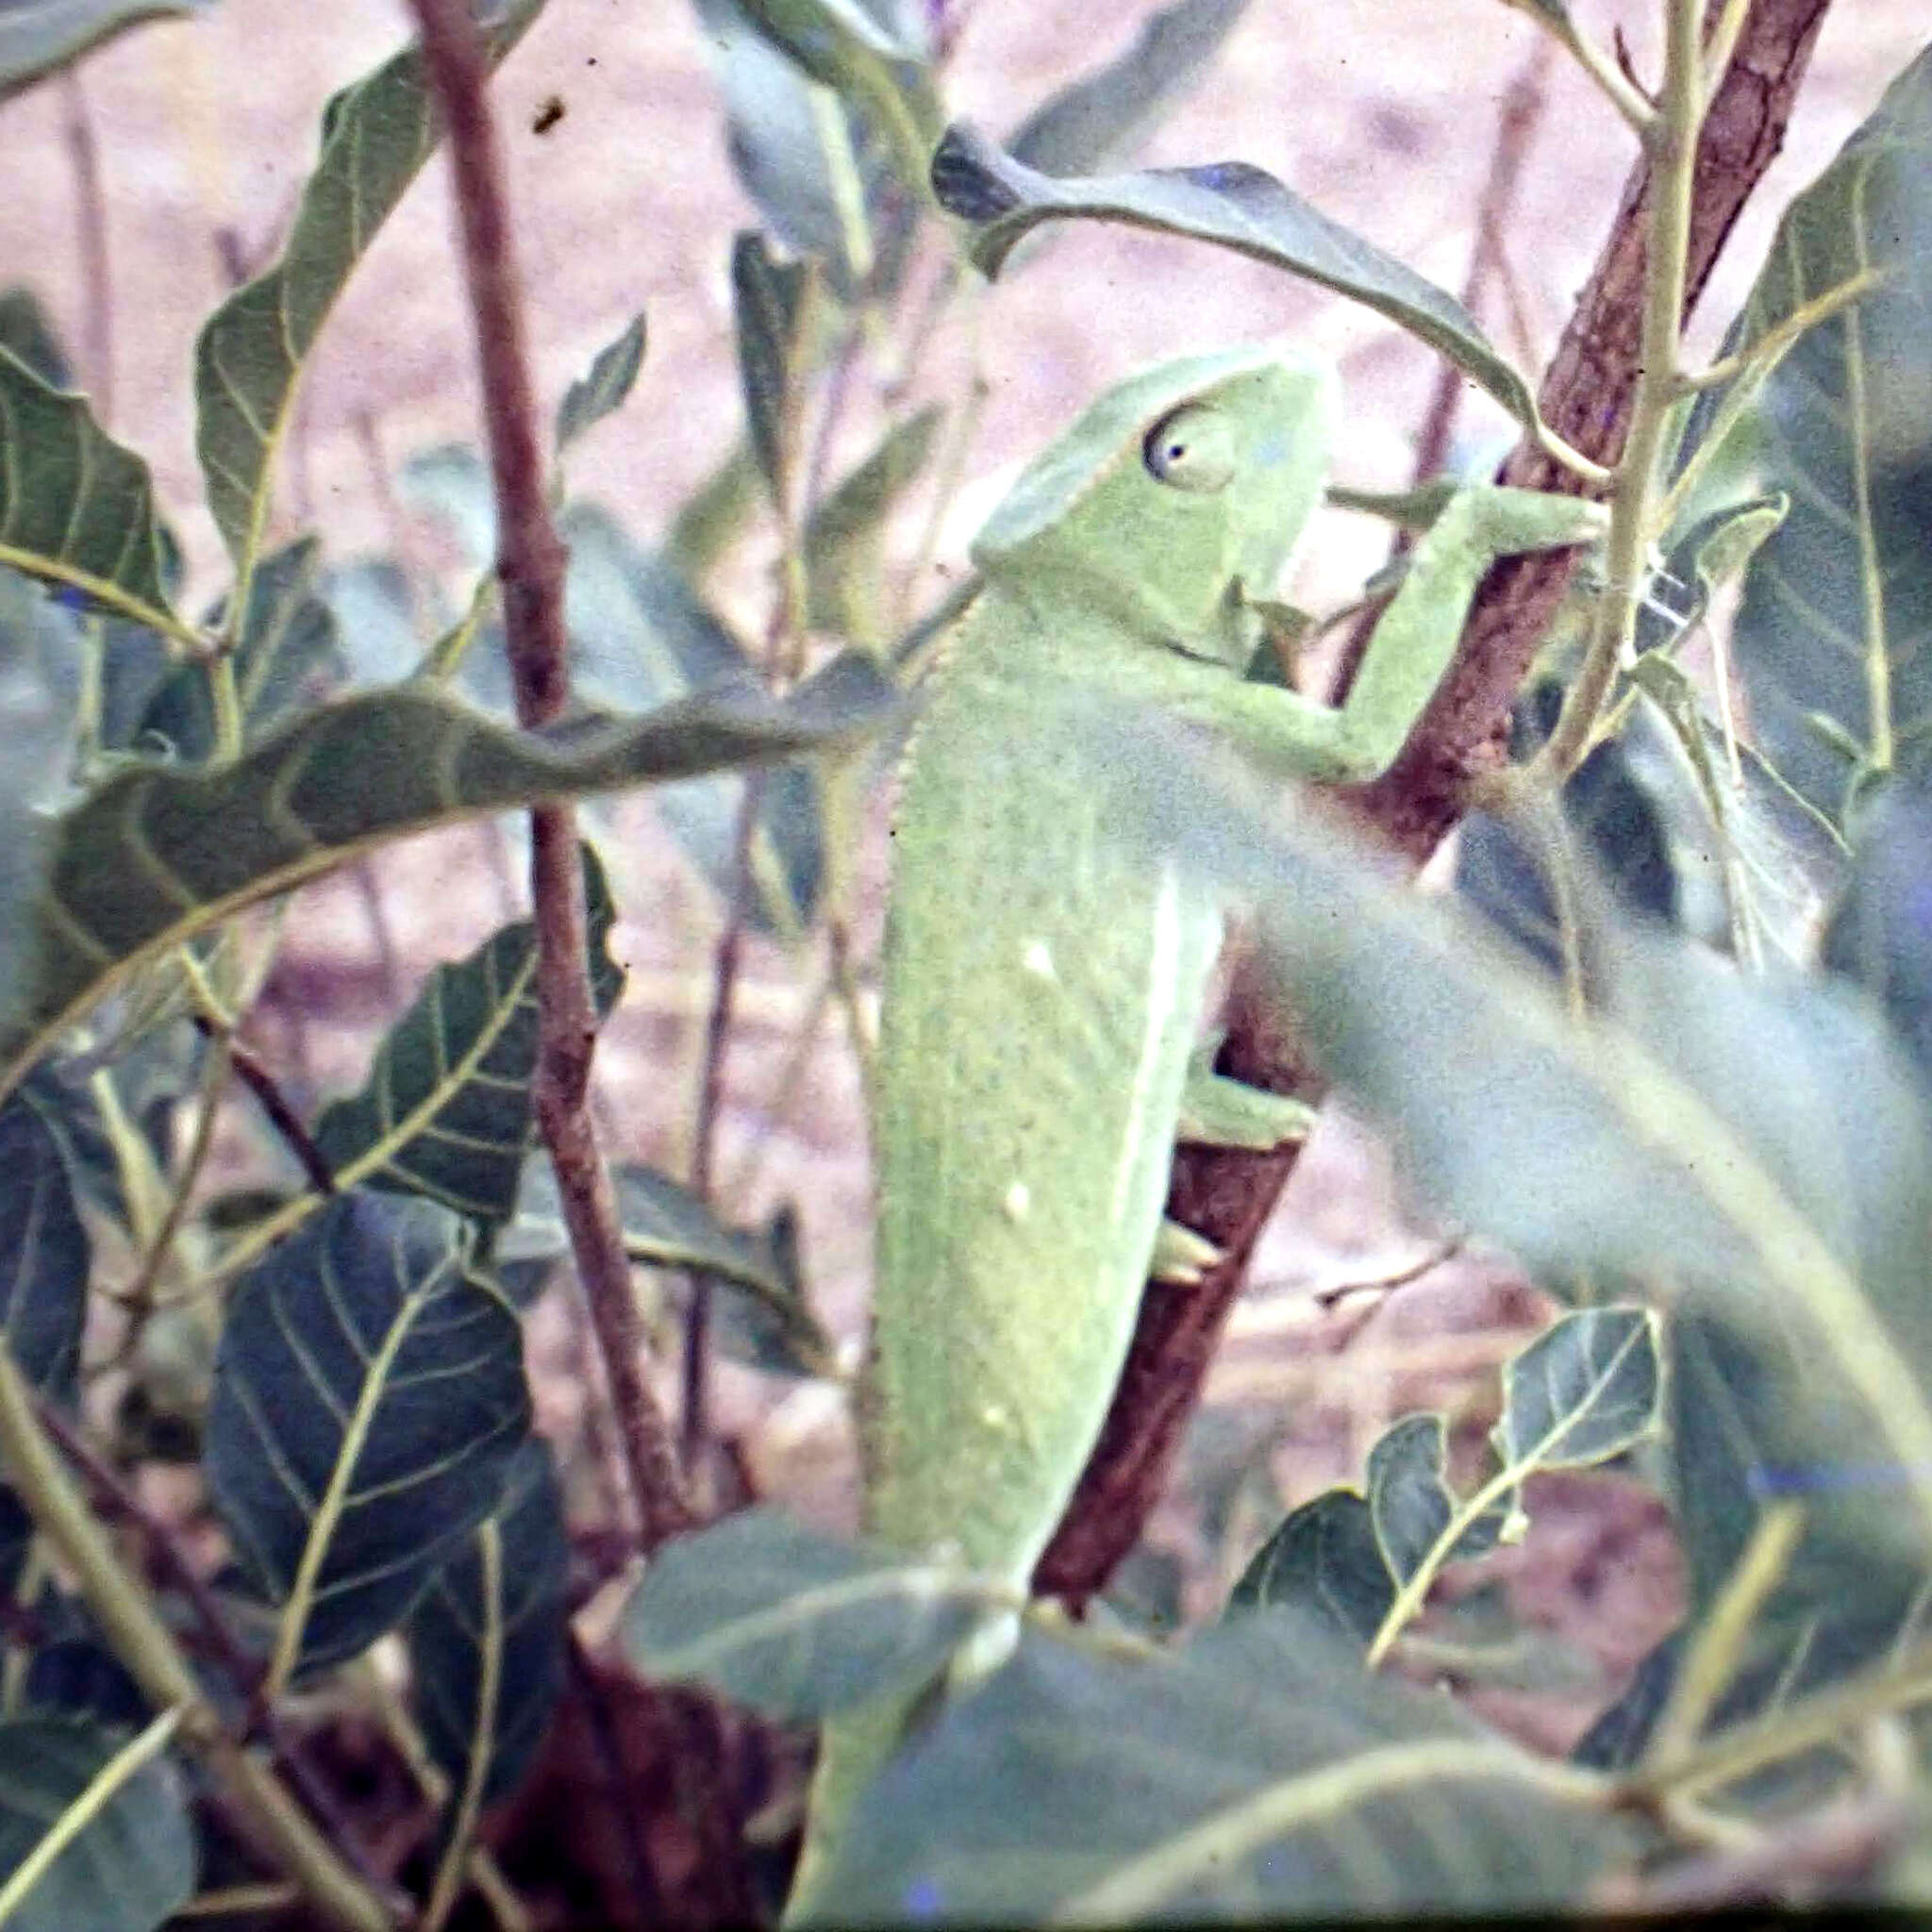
1217 1111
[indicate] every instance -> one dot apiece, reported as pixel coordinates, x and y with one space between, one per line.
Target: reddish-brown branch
530 568
1585 397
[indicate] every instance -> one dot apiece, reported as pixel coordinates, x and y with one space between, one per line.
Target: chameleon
1044 981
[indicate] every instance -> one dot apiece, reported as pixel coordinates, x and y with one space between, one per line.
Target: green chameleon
1044 981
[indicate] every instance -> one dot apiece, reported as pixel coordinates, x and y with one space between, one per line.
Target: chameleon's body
1044 981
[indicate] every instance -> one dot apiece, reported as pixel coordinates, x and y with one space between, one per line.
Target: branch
1228 1195
531 566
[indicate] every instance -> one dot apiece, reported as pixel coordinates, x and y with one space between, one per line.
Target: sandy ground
1382 112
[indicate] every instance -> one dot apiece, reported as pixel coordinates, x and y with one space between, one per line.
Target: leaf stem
531 566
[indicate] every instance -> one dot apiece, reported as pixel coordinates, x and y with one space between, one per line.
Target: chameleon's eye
1191 448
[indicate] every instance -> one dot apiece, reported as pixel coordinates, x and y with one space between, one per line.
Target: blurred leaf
37 36
446 1112
844 535
129 1868
154 856
76 508
1411 1504
369 1401
1324 1561
375 618
1583 1392
1104 114
1777 1147
487 1640
1256 1776
1233 206
1837 603
794 1623
1881 934
769 299
606 388
287 654
44 1257
27 331
16 1539
711 517
375 136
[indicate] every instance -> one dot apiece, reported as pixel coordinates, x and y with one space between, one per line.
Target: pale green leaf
844 535
1104 114
369 1399
1833 637
155 857
769 299
1255 1778
794 1623
602 393
130 1868
1233 205
37 36
76 508
375 136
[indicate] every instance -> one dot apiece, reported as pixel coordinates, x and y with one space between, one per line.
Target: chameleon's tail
853 1748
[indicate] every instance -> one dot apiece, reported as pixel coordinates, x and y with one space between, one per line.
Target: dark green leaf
1326 1561
368 1402
606 388
76 508
1257 1776
794 1623
130 1868
1837 603
1233 206
1584 1390
375 136
43 1252
1881 934
25 330
16 1539
287 655
1104 114
487 1640
1410 1502
446 1111
844 535
37 36
769 299
155 857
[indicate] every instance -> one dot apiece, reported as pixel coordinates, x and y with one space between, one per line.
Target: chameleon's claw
1217 1111
1181 1257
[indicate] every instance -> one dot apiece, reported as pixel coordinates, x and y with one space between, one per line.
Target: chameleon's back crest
1170 488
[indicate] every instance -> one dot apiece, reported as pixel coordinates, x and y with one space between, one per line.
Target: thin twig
97 269
281 1113
530 567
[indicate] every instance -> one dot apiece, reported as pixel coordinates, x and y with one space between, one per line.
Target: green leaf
375 136
28 334
1766 1124
1233 206
368 1402
606 388
1327 1562
287 654
1583 1392
44 1257
129 1868
37 36
769 299
155 857
487 1640
1837 605
794 1623
1880 936
844 535
1411 1504
76 508
446 1111
1104 114
1257 1776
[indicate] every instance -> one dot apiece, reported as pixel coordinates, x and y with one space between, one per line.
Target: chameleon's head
1174 490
